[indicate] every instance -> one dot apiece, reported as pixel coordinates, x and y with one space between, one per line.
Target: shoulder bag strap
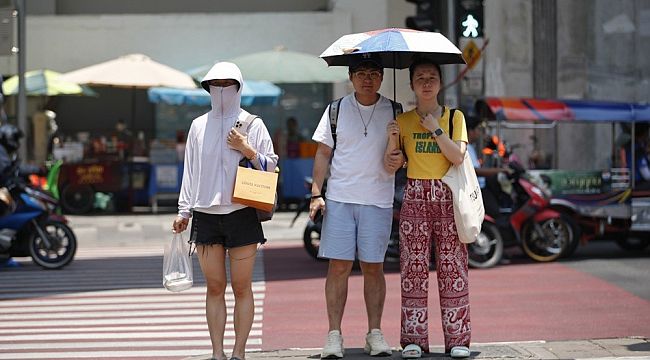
451 122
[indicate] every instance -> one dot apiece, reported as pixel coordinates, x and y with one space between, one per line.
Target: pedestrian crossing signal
470 26
469 18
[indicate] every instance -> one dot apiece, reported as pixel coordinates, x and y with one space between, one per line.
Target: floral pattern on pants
427 215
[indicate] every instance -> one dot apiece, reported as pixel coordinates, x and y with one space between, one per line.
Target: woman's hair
420 60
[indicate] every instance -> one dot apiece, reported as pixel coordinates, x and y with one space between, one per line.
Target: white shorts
353 230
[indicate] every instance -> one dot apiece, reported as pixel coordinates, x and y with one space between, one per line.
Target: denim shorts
354 230
239 228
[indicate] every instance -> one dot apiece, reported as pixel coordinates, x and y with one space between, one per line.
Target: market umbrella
131 71
280 66
253 93
395 47
135 71
45 83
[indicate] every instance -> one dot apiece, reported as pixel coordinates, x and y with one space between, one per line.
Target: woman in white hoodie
213 151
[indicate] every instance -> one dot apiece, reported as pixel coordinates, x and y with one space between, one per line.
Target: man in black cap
358 210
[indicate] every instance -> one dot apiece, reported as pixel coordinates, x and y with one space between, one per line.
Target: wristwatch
437 132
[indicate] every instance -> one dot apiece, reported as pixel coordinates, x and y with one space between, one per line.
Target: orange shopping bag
255 188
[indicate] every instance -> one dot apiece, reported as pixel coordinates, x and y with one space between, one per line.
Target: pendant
365 133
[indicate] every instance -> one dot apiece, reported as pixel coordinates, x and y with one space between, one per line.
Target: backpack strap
397 108
247 124
335 106
334 117
249 120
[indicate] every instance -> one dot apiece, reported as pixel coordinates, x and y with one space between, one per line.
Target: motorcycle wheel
487 250
550 242
633 242
575 238
62 251
311 239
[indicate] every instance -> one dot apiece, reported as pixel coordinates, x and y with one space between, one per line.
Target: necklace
434 112
365 126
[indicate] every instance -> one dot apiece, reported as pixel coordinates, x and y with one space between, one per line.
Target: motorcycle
608 203
311 235
35 229
481 254
525 218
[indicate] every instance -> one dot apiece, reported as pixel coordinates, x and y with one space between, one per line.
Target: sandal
222 357
459 352
412 351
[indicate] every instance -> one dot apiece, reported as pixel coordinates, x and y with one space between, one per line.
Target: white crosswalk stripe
108 306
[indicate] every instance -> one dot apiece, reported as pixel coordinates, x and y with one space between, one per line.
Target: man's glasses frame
363 75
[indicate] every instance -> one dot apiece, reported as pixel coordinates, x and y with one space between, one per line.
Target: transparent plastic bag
177 265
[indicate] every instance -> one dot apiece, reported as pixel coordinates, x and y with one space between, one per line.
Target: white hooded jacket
210 164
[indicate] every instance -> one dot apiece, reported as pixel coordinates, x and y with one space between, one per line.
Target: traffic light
469 18
426 16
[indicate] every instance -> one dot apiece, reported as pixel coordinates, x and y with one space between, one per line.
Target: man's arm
487 172
321 165
185 194
393 156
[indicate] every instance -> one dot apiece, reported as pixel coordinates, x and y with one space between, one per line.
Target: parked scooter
526 218
311 235
487 250
34 228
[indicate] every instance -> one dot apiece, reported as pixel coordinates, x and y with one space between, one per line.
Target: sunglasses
223 82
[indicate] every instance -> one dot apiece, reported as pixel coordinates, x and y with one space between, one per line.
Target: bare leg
212 260
242 262
374 292
336 291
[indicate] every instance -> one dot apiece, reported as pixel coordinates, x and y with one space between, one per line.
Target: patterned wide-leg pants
427 215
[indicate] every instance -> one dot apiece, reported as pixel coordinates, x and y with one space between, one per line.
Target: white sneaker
334 347
376 345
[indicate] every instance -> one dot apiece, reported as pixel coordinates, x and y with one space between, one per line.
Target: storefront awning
527 109
253 93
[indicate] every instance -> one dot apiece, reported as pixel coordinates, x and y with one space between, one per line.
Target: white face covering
225 101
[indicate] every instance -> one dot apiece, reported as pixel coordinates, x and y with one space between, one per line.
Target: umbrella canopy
280 67
45 83
396 47
132 71
253 93
525 109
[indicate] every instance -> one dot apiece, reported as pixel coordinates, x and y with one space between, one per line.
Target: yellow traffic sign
471 53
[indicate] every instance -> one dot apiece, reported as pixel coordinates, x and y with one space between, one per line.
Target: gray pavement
149 229
622 348
146 229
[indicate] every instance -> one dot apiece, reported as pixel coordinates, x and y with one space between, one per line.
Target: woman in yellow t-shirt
422 138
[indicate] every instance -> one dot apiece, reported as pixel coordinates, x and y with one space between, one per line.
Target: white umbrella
396 47
131 71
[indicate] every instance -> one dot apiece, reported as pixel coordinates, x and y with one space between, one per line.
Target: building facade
576 49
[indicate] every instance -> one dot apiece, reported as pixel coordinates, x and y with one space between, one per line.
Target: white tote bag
177 265
468 201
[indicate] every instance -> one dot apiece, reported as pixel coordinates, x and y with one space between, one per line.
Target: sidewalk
622 348
152 229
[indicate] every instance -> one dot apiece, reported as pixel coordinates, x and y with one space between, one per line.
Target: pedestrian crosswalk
107 306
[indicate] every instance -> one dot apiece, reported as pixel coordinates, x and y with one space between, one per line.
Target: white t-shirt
357 173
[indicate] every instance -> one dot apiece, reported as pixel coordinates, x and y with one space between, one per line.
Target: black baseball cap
371 59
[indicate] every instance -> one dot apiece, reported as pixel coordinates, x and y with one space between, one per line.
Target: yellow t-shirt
425 160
